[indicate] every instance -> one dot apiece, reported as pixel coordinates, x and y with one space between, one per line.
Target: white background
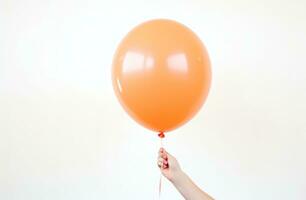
63 135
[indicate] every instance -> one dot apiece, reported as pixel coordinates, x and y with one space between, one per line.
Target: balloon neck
161 135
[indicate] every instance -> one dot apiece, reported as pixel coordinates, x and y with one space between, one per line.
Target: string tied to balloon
161 135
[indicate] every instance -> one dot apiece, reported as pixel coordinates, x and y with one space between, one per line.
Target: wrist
179 177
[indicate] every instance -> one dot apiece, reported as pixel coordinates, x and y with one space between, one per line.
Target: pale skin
171 169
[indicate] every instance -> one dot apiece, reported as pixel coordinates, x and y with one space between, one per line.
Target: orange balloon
161 74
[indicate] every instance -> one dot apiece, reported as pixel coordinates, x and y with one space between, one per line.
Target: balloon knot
161 135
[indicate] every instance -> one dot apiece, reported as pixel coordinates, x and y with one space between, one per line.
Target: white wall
64 136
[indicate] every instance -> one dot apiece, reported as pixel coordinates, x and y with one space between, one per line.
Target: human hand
168 165
171 169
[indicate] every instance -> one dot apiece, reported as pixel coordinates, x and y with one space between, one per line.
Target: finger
159 164
164 155
165 166
160 152
160 160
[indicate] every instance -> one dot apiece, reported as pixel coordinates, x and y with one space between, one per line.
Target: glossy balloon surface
161 74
